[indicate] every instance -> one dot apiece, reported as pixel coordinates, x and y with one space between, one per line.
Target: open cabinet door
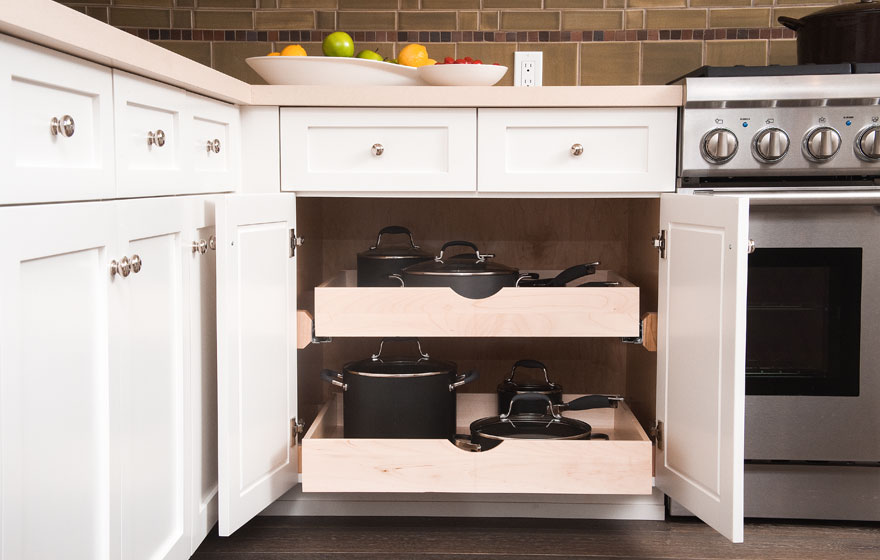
701 357
256 354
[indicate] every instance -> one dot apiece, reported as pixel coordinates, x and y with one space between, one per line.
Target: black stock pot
844 33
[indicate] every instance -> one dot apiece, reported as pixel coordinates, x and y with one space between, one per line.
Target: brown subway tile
635 19
302 4
284 20
512 4
753 17
224 20
792 13
325 20
100 13
800 2
489 53
366 20
267 4
731 53
762 2
228 4
186 3
667 60
657 3
182 19
559 66
229 58
675 19
783 52
367 4
720 3
578 4
135 17
592 19
467 21
194 50
611 4
426 20
489 21
609 63
450 4
528 21
409 4
142 3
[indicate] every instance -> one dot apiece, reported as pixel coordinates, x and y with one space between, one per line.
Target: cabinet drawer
343 309
150 159
577 150
368 150
619 465
75 160
212 144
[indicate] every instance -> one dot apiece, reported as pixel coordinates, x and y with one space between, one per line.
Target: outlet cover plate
528 68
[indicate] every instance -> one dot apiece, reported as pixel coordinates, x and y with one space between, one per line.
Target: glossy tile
489 21
675 19
229 58
467 21
450 4
200 51
746 17
656 3
663 61
325 20
519 4
367 4
592 19
182 19
136 17
144 3
609 63
286 19
634 19
426 21
578 4
365 21
783 52
530 21
228 4
560 62
731 53
720 3
223 20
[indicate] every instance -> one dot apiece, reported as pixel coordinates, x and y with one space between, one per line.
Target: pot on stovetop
844 33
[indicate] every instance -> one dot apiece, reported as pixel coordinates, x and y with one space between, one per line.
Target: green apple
338 43
370 55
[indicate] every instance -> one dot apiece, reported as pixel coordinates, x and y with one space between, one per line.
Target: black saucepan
509 388
376 264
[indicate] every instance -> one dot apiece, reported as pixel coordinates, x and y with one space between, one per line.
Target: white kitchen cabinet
57 114
211 145
569 150
368 150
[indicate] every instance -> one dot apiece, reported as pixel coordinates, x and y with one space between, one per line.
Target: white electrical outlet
527 68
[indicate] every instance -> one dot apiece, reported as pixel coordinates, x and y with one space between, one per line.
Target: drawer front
73 162
358 150
577 150
212 144
150 159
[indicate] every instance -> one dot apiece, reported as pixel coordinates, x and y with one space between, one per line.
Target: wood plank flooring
283 538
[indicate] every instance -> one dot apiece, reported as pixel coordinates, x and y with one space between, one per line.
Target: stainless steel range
806 150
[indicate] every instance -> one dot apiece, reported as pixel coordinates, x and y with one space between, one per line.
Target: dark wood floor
281 538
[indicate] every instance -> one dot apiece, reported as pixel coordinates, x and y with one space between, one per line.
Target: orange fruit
274 54
414 55
293 50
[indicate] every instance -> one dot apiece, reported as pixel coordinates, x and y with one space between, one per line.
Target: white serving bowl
332 70
462 74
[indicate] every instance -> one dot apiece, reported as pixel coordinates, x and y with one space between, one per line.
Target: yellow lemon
414 55
293 50
274 54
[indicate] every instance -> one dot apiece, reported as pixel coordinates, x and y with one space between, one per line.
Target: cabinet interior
528 233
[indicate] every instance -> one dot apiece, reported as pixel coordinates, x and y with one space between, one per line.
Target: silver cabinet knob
214 146
123 267
868 143
65 126
136 263
771 145
157 138
577 149
200 246
821 143
719 145
114 268
212 243
377 149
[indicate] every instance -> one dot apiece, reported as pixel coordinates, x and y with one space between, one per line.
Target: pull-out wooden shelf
620 465
343 309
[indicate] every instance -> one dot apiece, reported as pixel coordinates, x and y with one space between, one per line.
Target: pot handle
472 375
528 364
588 402
333 378
391 230
526 275
530 397
480 257
399 278
573 273
375 357
790 22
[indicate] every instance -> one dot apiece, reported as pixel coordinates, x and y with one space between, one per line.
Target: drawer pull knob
577 149
123 267
136 263
214 146
157 138
200 246
65 126
377 149
212 243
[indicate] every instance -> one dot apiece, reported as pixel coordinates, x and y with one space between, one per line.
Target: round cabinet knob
200 246
214 146
157 138
377 149
136 263
719 145
868 143
771 145
65 126
821 143
577 149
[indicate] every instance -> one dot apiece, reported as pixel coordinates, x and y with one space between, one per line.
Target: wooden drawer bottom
620 465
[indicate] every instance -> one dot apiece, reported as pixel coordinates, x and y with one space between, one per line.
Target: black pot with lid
376 265
843 33
509 388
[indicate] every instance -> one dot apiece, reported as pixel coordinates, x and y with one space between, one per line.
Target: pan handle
424 356
526 275
391 230
590 401
573 273
472 375
333 378
528 364
399 278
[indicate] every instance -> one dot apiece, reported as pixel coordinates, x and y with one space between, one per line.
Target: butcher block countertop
56 26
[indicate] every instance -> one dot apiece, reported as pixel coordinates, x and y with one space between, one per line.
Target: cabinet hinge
296 429
659 242
656 434
295 242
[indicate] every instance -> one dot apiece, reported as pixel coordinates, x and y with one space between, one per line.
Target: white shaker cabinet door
56 487
256 354
211 144
701 357
150 355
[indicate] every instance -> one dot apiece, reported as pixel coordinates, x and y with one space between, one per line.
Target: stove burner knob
868 143
771 145
821 143
719 145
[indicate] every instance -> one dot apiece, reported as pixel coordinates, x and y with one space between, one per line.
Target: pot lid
397 248
510 385
844 10
466 264
420 364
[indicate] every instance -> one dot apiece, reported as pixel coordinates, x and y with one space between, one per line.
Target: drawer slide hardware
295 242
635 339
655 432
659 243
297 428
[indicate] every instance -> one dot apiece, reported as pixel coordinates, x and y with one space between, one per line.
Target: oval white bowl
462 74
331 70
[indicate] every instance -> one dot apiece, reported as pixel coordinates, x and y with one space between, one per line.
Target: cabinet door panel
55 482
256 334
212 144
701 357
153 382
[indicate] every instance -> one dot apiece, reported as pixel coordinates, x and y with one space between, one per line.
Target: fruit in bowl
338 43
462 74
415 55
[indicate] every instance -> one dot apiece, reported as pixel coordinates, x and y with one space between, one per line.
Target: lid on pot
844 10
546 386
420 365
397 248
530 425
465 264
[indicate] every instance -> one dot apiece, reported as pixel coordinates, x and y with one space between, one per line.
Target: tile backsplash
585 42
